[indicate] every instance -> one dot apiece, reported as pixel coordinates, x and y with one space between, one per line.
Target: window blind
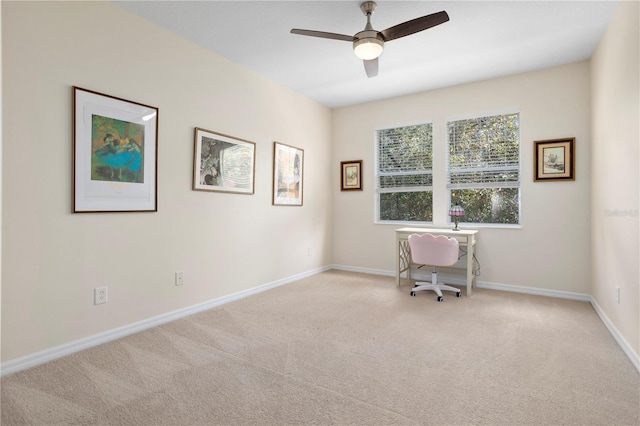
404 159
484 152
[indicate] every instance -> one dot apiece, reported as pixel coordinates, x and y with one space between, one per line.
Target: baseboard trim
456 280
559 294
51 354
363 270
622 342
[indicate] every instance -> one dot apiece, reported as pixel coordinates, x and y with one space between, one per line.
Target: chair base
438 287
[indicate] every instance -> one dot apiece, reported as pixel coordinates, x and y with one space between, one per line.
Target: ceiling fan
369 43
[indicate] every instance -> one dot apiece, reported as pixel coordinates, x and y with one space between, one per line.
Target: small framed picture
115 154
223 163
351 175
554 160
288 174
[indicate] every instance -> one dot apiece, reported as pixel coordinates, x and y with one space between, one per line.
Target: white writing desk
466 238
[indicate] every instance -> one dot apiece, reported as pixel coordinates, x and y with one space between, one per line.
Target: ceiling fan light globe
368 48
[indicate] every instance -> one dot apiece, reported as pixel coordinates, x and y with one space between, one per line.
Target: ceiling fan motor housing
368 44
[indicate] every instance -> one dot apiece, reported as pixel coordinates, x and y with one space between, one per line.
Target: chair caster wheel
413 293
440 298
458 294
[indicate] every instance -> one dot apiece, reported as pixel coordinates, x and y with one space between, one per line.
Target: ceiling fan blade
414 26
371 67
323 34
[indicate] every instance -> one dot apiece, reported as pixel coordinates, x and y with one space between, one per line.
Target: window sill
451 225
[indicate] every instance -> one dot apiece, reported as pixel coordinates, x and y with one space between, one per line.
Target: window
484 168
403 174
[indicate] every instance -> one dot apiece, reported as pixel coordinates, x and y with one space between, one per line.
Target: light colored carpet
345 348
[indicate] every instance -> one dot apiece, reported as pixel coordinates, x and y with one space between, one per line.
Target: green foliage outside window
407 206
489 205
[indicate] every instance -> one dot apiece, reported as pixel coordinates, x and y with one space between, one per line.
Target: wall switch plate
99 295
179 278
618 295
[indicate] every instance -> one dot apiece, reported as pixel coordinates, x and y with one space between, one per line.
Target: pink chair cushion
428 249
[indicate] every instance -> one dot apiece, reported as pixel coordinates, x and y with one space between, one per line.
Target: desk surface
465 232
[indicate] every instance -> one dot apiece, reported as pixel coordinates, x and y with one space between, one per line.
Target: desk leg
470 275
398 261
403 257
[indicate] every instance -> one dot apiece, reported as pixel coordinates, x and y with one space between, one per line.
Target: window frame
485 186
378 190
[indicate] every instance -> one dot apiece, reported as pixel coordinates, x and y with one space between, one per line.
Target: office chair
428 249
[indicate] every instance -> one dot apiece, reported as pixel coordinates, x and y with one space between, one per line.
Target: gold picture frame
351 175
554 160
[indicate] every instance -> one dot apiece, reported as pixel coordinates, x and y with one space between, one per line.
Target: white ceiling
483 39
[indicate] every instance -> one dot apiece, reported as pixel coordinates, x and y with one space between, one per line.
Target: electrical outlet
309 251
618 295
99 295
179 278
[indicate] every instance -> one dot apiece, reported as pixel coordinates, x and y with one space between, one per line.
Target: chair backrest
428 249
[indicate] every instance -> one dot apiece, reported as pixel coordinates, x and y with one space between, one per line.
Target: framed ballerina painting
115 153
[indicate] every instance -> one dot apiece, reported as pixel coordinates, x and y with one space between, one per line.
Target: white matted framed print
115 154
223 163
288 173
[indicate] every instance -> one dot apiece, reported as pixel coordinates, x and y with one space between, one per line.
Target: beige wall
224 243
615 185
551 249
1 136
52 259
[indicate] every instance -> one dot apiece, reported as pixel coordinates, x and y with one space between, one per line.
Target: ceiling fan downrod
368 43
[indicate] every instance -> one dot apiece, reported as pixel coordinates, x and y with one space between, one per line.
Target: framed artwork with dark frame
351 175
223 163
115 154
554 160
288 174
